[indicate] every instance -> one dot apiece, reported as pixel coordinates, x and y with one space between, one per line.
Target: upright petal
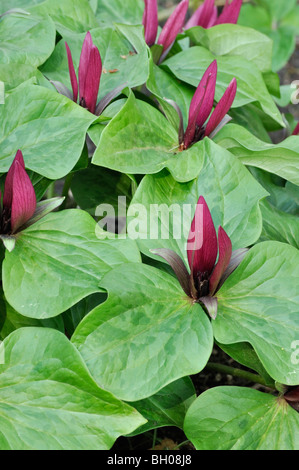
83 64
202 16
19 194
222 107
202 240
73 76
173 25
230 12
150 21
90 70
225 253
201 103
92 82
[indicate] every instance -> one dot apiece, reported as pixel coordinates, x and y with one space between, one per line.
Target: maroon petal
222 107
296 130
92 82
173 25
83 64
19 194
202 103
150 21
230 12
72 73
292 396
202 240
202 16
225 253
178 266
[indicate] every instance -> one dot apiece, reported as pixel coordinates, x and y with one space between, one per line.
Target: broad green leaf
236 418
284 43
162 209
49 129
258 304
6 5
14 321
145 336
124 55
282 194
118 11
58 261
276 8
167 407
281 159
68 15
235 40
96 185
49 400
279 225
139 139
190 65
25 44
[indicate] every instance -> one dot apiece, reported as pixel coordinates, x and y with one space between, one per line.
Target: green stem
51 191
66 188
244 374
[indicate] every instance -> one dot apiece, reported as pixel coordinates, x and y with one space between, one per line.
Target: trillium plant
149 226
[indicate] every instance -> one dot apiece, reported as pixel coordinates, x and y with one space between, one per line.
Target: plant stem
66 188
244 374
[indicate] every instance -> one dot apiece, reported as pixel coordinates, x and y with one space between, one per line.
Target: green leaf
190 65
278 225
25 44
236 418
49 400
58 261
162 209
167 407
258 304
68 15
281 159
145 336
117 11
284 43
235 40
49 129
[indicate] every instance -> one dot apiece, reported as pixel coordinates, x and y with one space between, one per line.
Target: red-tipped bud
205 16
150 21
222 107
202 245
296 130
73 77
230 12
201 103
90 70
19 200
173 25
